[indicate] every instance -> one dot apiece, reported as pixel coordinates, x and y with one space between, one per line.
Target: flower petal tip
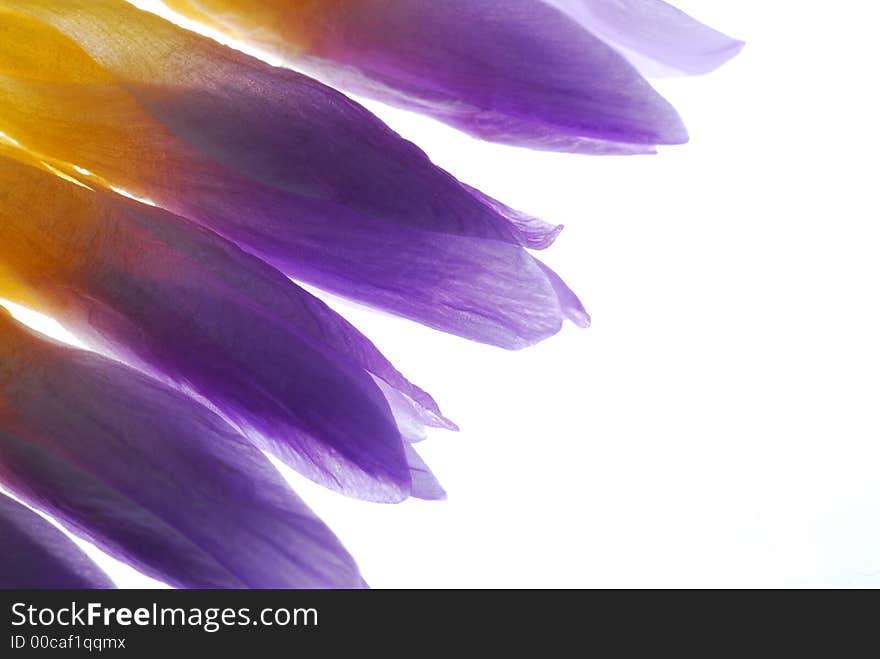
734 48
424 484
582 319
445 424
711 60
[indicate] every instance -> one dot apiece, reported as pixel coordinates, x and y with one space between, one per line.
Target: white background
718 425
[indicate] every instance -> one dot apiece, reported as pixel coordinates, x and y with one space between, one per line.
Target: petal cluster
280 164
151 476
547 74
185 305
164 197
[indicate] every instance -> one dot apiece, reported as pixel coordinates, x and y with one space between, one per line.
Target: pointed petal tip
657 38
424 484
445 424
529 231
669 129
442 496
437 494
582 320
712 60
676 135
734 48
553 235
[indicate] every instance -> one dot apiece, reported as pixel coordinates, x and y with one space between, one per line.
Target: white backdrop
718 425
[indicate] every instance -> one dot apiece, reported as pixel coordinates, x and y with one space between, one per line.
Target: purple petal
412 419
285 167
184 304
152 477
485 290
425 485
651 31
519 72
36 555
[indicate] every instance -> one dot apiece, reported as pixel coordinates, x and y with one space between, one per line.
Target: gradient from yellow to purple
182 303
276 162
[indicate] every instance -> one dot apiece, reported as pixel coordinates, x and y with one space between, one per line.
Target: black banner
81 623
408 623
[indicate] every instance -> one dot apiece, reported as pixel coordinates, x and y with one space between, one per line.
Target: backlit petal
36 555
182 303
519 71
151 476
280 164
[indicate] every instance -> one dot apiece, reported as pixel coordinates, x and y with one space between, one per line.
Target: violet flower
244 176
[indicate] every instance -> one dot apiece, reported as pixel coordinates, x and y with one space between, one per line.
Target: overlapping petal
655 36
276 162
151 476
37 555
180 302
520 71
243 173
